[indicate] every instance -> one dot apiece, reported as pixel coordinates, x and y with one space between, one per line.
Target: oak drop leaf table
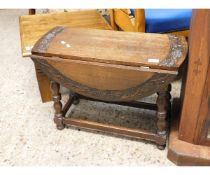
114 67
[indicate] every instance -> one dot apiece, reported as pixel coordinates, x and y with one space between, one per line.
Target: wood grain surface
115 47
32 27
113 87
195 105
101 76
184 153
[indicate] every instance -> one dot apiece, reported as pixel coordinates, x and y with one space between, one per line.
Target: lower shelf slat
128 132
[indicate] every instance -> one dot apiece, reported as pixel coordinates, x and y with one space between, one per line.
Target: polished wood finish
189 142
32 27
156 83
58 118
112 21
135 104
104 56
140 21
156 51
159 139
123 131
194 117
103 66
91 71
203 137
122 18
183 153
184 33
163 102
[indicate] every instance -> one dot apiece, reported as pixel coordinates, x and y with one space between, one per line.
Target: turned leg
163 107
58 118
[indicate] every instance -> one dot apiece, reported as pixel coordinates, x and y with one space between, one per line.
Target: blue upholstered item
166 20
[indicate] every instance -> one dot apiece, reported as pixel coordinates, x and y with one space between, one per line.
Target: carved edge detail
153 85
177 51
42 44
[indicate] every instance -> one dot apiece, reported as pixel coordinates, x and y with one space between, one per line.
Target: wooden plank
112 19
184 153
202 136
112 47
124 21
181 152
105 81
135 104
128 132
100 76
196 77
32 27
140 22
184 33
43 83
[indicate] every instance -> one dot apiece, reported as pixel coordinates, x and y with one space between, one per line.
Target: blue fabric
166 20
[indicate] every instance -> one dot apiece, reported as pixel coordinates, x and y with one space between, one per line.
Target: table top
158 51
32 27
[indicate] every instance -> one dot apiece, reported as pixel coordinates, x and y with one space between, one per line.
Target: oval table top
156 51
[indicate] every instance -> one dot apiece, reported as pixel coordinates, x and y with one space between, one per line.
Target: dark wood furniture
33 26
189 139
114 67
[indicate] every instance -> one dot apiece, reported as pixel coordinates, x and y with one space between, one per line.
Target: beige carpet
27 132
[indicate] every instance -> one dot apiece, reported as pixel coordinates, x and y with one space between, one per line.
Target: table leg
163 105
58 118
44 84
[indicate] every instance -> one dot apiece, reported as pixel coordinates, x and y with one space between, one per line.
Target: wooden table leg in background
42 79
44 84
32 11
